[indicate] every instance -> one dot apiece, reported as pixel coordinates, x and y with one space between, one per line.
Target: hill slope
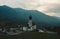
38 17
18 15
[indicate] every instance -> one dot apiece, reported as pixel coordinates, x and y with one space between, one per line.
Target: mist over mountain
19 15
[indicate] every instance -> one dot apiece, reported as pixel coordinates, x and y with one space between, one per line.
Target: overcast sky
49 7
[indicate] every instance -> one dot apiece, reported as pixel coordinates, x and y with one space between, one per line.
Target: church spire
30 17
30 21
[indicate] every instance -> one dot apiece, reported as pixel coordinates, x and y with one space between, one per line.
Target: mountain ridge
40 16
19 15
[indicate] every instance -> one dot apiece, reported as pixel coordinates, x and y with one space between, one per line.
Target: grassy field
32 35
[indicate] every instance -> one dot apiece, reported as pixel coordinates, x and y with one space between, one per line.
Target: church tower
30 21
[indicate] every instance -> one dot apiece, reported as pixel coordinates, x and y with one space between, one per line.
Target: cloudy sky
49 7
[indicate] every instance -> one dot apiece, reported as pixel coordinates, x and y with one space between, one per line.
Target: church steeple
30 21
30 17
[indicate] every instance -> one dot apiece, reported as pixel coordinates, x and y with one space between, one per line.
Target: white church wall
25 28
30 23
34 27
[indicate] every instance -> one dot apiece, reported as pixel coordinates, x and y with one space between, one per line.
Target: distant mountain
38 17
7 14
19 15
